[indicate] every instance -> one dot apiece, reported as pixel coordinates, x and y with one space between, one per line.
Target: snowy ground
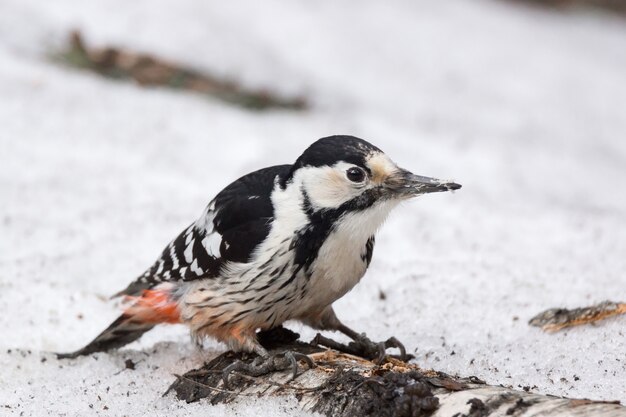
524 107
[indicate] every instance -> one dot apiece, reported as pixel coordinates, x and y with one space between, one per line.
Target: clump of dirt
406 394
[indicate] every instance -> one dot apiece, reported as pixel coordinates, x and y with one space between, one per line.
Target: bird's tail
142 314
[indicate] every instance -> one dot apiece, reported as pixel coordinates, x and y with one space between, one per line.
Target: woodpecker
281 243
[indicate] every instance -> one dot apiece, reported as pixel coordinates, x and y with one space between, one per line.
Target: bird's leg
361 344
266 363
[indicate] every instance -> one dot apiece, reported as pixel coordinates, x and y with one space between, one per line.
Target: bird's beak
405 184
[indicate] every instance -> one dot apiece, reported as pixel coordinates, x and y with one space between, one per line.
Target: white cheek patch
328 186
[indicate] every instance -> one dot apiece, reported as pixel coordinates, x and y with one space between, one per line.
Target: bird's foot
264 365
364 347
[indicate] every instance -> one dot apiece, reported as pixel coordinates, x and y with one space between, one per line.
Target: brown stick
149 70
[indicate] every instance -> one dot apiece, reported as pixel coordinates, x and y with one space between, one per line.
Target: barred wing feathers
232 225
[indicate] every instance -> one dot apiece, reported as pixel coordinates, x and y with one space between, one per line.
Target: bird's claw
264 365
392 342
378 351
364 347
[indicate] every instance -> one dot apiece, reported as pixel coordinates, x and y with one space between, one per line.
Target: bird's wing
232 225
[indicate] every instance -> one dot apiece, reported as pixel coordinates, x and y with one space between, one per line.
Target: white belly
341 261
338 268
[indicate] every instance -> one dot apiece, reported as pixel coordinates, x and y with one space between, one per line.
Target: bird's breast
338 268
340 264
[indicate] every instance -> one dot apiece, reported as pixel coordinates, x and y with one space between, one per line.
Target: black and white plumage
282 243
228 230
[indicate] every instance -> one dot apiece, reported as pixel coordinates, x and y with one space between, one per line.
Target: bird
281 243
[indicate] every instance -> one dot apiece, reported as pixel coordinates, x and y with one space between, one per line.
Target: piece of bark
556 319
345 385
149 70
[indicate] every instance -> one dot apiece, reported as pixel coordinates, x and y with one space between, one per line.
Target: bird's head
346 173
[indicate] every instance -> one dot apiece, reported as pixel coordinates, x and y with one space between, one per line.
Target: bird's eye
355 174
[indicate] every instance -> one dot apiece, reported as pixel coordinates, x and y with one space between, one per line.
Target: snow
524 107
